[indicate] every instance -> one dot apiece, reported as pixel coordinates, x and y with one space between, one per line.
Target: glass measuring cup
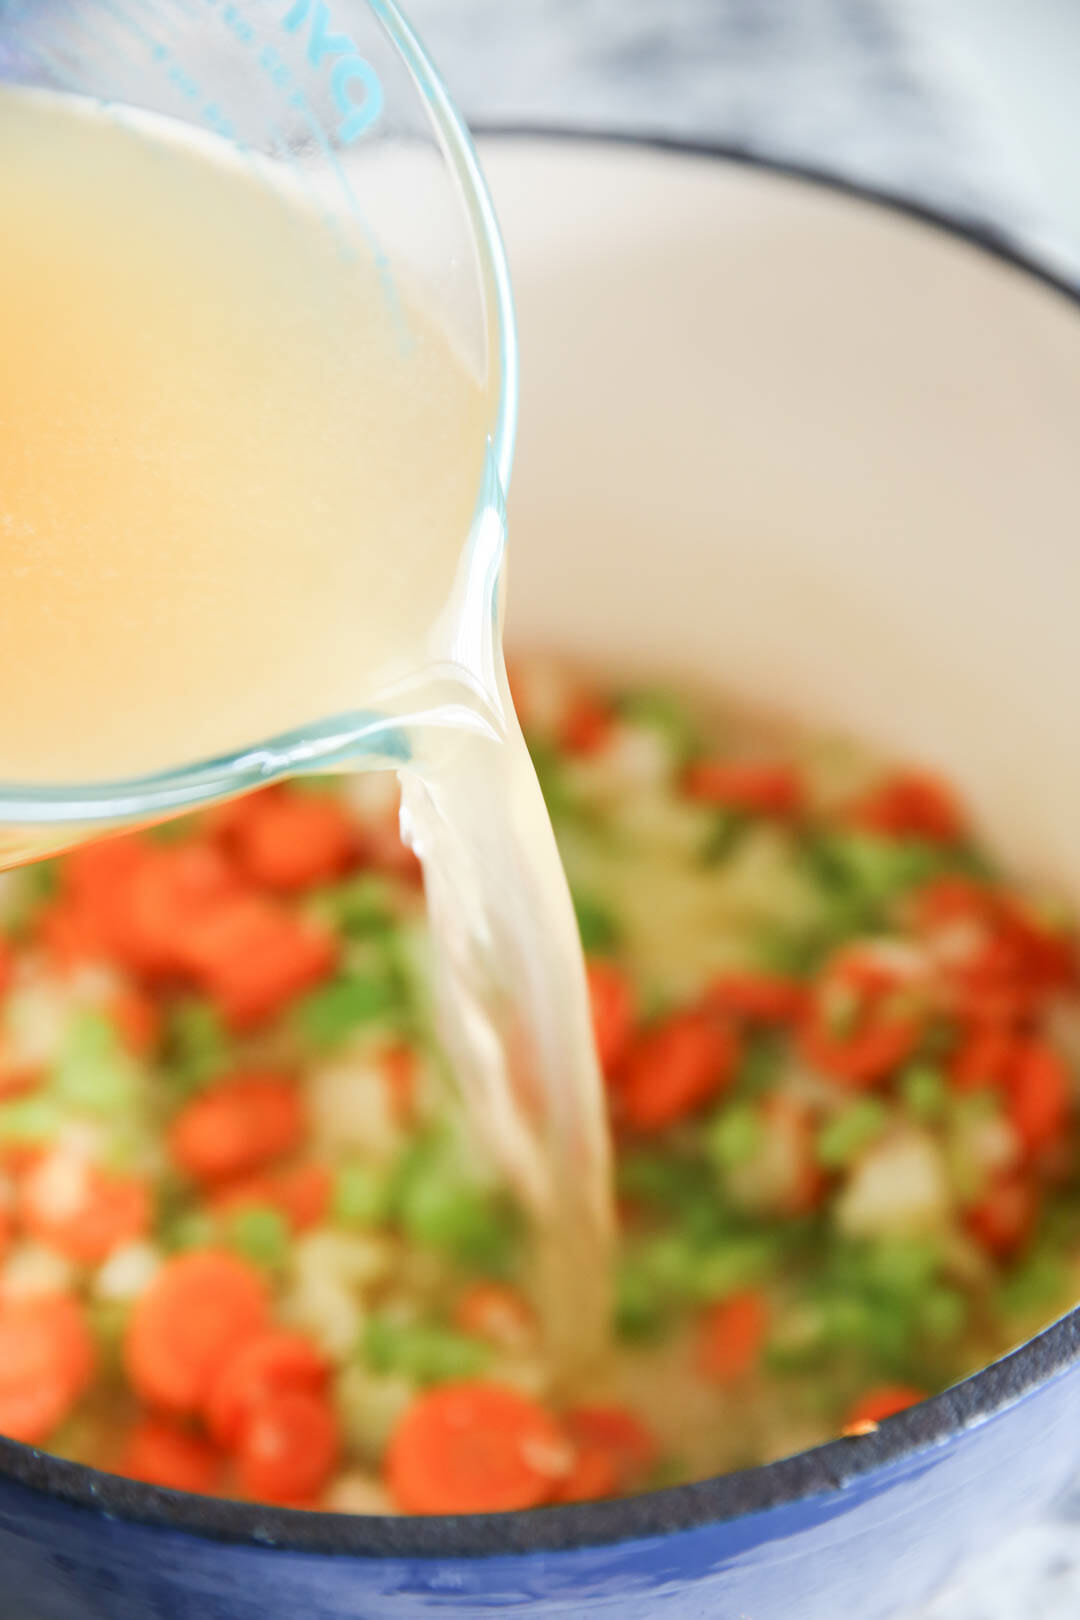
337 99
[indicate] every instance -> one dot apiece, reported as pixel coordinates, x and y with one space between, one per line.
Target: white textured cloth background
871 89
868 89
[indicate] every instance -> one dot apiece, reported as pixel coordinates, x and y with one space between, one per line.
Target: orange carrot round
270 1364
1005 1217
244 1122
288 1447
1039 1095
611 999
47 1362
194 1314
498 1313
756 787
291 841
759 998
592 1476
674 1069
624 1438
252 957
911 804
475 1447
880 1403
731 1336
162 1453
104 1211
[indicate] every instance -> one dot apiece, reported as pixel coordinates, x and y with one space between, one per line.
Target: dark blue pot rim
817 1472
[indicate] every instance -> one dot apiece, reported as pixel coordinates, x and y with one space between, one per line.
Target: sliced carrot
586 725
911 804
7 966
81 1210
983 1058
399 1067
289 1446
6 1232
731 1336
611 999
192 1316
873 1040
269 1364
69 935
170 891
1005 1219
243 1123
301 1192
592 1477
757 788
291 841
17 1082
674 1069
759 998
252 957
46 1363
498 1313
1039 1099
620 1435
162 1453
475 1447
878 1404
137 1020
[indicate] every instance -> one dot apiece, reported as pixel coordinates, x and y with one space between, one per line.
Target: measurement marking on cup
351 68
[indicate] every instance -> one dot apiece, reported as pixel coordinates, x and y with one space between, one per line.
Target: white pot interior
809 450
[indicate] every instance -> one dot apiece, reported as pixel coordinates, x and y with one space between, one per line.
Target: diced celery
661 711
328 1016
943 1313
842 1139
1038 1283
734 1136
260 1234
439 1208
597 925
197 1048
361 1196
640 1302
924 1092
694 1272
724 836
360 908
38 1118
664 1180
191 1229
759 1066
92 1071
425 1352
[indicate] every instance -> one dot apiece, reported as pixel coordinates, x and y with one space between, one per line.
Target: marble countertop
861 88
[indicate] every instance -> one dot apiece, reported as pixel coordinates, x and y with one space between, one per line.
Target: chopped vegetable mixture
247 1248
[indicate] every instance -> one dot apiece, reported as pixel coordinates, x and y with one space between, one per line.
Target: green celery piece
360 909
259 1233
924 1092
734 1135
38 1118
641 1312
361 1196
93 1072
438 1207
665 1181
724 836
1040 1282
423 1352
327 1017
759 1068
597 925
844 1137
197 1047
191 1229
661 711
943 1314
